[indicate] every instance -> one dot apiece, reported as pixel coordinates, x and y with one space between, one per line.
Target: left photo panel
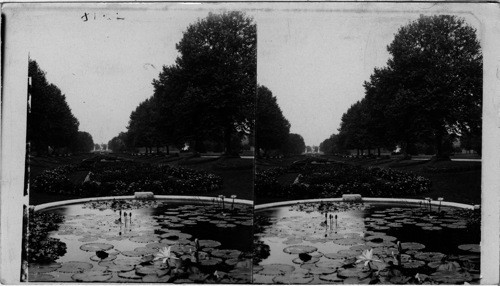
139 142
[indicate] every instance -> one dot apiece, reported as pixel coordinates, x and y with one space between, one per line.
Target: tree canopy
50 120
295 144
209 93
430 91
271 127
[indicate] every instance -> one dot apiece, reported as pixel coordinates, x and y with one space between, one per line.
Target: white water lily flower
367 257
164 254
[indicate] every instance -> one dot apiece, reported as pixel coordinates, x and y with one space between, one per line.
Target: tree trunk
404 149
378 151
168 150
227 141
440 154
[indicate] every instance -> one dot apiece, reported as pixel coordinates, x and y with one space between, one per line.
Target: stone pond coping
156 197
398 201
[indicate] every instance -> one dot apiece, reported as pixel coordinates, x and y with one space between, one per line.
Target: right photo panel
368 145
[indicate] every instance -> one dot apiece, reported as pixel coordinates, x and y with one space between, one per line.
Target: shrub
125 178
42 248
316 181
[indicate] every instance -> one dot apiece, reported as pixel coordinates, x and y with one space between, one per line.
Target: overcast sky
314 61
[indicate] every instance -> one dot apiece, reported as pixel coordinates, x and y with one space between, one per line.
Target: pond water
126 241
329 243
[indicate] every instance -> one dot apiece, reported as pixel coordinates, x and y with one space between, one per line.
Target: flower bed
317 181
125 178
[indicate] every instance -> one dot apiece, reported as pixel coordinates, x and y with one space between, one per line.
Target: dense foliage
208 94
42 248
429 93
323 181
51 124
125 178
271 127
295 144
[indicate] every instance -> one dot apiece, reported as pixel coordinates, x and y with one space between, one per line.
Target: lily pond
354 243
146 241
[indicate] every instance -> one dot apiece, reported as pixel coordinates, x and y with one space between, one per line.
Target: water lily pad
157 245
352 272
129 275
92 276
276 269
377 238
153 278
110 257
470 247
294 278
298 260
400 279
131 253
40 277
296 249
348 241
429 256
313 269
412 245
360 247
119 268
451 277
145 250
262 279
93 247
331 278
211 261
176 235
330 263
385 251
335 255
209 243
432 228
381 244
88 238
146 270
293 240
226 253
74 266
412 264
145 238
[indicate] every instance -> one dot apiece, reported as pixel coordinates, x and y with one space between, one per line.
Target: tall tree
50 122
271 127
437 65
214 79
142 128
83 143
295 144
331 145
118 143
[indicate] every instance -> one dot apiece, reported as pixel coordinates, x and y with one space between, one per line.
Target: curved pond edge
156 197
413 202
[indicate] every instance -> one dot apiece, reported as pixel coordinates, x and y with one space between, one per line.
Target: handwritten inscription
100 16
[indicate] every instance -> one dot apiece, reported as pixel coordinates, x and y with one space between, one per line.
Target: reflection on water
119 244
319 241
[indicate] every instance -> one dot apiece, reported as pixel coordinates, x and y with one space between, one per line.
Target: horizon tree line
427 96
51 126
